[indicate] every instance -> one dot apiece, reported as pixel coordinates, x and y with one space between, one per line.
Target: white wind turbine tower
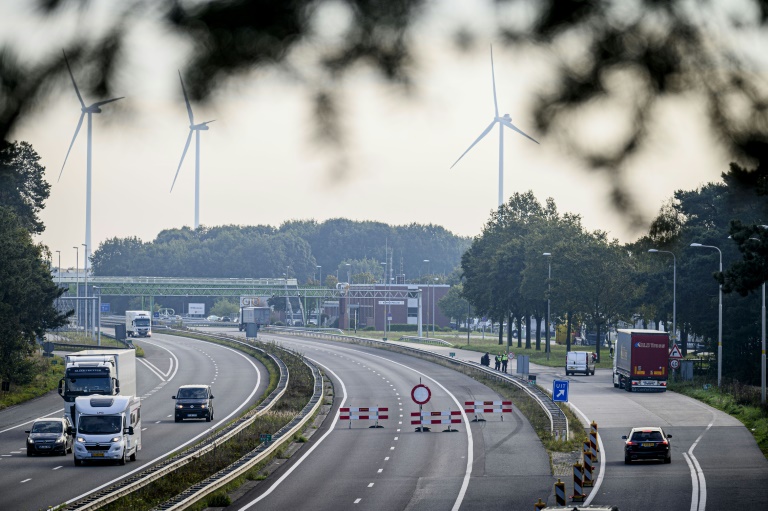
502 121
197 128
90 110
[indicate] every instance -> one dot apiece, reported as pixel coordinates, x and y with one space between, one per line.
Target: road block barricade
364 414
578 480
560 493
476 407
593 441
426 418
588 465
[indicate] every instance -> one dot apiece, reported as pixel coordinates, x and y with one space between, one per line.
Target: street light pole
719 317
386 302
85 263
77 286
674 290
433 307
548 255
762 338
319 267
429 287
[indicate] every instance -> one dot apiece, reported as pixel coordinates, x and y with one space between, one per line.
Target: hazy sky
260 165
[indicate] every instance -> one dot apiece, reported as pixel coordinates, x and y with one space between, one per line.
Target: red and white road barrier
364 414
426 418
476 407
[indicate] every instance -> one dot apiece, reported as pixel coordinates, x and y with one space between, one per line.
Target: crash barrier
425 420
539 505
593 441
425 340
557 419
586 455
560 493
578 480
370 414
476 407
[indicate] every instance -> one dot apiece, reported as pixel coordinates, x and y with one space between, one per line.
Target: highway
32 483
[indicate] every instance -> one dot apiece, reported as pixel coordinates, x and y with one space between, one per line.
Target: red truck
640 360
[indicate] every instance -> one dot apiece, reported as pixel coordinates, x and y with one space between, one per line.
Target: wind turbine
90 110
196 128
502 121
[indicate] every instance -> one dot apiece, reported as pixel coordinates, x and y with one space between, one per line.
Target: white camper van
107 428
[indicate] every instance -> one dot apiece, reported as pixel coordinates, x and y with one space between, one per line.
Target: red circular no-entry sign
420 394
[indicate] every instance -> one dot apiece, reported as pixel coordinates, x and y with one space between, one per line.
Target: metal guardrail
558 420
256 456
425 340
97 499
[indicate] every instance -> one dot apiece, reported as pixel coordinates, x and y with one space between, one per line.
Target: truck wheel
628 386
208 417
121 461
133 456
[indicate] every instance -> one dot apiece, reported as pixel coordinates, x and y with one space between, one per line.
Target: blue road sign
560 391
104 307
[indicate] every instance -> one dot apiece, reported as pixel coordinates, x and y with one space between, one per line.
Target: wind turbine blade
77 130
493 79
107 101
186 146
484 133
515 128
209 122
77 91
186 100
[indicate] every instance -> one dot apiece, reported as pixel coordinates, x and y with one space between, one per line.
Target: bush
369 328
219 500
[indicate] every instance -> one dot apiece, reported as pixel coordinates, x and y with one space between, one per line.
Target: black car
226 319
647 443
50 436
194 402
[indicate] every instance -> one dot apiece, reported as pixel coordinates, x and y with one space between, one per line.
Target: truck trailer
138 324
107 428
640 360
104 372
257 315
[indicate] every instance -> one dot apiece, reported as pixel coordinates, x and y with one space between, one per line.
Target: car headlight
30 441
179 407
80 440
203 407
60 440
116 439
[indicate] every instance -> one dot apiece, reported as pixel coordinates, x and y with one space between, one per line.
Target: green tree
22 187
27 296
454 305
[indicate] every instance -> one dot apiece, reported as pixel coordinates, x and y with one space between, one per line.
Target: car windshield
192 394
100 425
47 427
646 436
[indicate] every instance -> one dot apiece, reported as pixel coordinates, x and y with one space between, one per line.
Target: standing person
486 359
504 361
497 362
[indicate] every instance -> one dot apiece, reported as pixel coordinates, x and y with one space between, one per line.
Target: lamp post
719 316
85 263
429 286
77 285
433 307
674 289
548 255
319 267
349 278
386 302
762 338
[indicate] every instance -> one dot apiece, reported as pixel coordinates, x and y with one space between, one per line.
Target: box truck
640 361
257 315
107 428
104 372
138 324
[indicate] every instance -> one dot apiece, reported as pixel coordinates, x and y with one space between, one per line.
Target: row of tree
603 283
334 250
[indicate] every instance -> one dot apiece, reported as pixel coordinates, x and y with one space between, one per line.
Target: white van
579 362
107 428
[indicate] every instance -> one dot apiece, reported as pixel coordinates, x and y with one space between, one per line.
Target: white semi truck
107 428
138 324
106 372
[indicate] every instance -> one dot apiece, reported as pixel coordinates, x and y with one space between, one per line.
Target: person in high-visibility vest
504 361
497 362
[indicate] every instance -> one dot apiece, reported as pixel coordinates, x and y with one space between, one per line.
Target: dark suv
194 402
49 436
647 443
